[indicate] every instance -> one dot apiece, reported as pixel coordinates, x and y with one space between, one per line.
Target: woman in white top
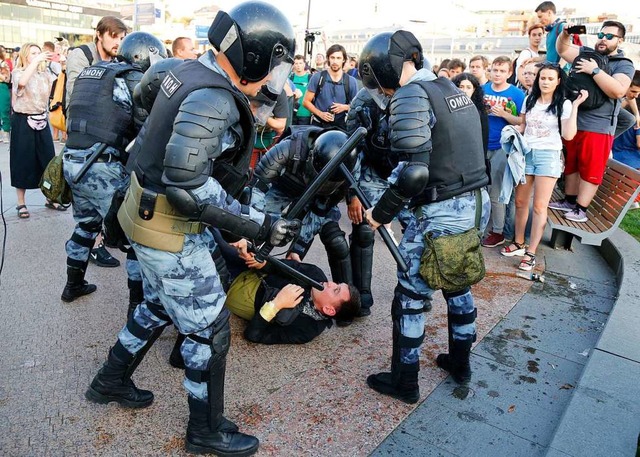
547 117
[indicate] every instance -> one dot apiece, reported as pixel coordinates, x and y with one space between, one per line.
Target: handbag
454 262
53 185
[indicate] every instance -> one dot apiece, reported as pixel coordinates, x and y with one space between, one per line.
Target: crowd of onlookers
320 92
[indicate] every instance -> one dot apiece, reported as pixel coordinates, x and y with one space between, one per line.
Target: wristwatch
595 71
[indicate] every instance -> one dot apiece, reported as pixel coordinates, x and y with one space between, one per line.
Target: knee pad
334 240
362 235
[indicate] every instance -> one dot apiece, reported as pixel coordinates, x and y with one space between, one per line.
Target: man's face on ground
336 61
333 295
605 46
110 43
499 73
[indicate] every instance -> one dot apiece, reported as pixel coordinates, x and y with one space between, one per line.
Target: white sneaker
577 215
562 205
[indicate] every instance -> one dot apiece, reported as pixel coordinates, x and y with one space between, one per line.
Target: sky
385 12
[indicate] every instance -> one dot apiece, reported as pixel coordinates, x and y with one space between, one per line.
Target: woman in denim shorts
547 118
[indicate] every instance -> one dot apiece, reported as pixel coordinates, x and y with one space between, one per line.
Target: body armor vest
377 145
93 115
230 169
457 162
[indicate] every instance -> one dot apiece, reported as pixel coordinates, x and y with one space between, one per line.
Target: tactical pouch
165 228
53 185
453 262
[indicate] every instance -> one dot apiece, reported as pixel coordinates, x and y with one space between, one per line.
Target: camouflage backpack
53 185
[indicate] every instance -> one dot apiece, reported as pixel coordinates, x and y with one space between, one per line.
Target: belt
104 158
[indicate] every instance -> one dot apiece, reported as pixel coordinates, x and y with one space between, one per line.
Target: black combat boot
456 362
136 296
113 381
76 285
205 433
401 383
175 359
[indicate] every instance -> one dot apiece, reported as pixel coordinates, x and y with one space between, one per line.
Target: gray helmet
142 49
256 38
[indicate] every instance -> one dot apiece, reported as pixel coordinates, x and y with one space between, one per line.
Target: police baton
90 161
299 209
384 233
288 270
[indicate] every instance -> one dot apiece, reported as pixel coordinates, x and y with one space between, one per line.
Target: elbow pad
411 181
241 225
388 206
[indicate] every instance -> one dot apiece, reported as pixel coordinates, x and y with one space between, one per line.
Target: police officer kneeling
189 158
435 131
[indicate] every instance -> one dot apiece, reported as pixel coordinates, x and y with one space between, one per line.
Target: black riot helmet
256 38
141 48
382 59
325 147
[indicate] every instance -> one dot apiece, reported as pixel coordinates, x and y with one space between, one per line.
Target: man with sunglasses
588 152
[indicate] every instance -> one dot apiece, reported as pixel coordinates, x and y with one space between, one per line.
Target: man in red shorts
588 152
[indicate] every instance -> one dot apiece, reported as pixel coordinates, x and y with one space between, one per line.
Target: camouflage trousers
275 201
91 200
455 215
374 186
185 285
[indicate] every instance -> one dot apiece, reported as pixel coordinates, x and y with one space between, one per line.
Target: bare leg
572 184
523 196
543 189
20 193
586 193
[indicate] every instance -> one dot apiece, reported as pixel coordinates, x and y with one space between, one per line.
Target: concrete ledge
603 415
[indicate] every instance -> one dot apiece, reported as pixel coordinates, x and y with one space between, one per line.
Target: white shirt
541 131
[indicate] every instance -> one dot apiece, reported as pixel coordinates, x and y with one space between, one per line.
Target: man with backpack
110 32
606 74
330 91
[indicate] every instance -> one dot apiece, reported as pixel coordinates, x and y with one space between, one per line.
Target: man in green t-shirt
300 77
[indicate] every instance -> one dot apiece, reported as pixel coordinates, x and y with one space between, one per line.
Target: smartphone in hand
577 30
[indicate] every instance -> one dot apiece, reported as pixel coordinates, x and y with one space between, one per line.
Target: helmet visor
155 55
263 104
374 87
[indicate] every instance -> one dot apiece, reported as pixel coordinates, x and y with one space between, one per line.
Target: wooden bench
614 197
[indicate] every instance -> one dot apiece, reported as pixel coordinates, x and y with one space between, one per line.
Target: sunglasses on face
608 36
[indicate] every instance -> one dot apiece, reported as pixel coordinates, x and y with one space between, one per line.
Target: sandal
514 249
23 214
55 206
527 264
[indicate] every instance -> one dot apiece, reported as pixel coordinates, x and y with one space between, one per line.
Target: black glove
283 231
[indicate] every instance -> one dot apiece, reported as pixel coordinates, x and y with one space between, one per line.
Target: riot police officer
436 135
283 174
187 163
376 165
102 120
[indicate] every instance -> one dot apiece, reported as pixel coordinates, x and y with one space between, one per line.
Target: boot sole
195 449
96 397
